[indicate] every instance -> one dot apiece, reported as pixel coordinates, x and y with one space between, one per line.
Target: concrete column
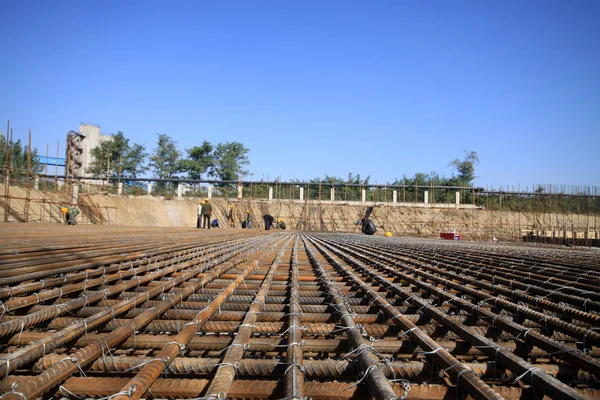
210 189
240 187
119 188
58 183
332 195
36 183
457 198
301 194
270 193
179 191
75 195
149 188
395 196
364 196
426 197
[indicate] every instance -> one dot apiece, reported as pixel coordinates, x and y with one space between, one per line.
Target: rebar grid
128 313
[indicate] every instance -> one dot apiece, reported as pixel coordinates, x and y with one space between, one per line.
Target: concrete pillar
149 188
36 183
457 198
364 196
75 195
240 188
119 188
395 196
332 195
301 194
210 189
179 191
270 193
426 197
58 183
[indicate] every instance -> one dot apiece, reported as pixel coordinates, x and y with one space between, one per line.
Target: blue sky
380 88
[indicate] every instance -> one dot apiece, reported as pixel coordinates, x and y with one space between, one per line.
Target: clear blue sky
380 88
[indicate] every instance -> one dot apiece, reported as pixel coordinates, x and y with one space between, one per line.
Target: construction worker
248 219
230 216
72 215
64 212
206 211
215 223
281 223
368 227
199 214
268 221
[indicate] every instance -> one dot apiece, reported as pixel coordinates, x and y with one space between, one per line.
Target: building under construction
79 149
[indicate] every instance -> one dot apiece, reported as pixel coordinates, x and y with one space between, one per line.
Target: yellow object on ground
388 234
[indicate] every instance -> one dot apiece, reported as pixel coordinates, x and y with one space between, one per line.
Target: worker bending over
268 221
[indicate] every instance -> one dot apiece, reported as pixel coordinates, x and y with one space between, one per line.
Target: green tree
229 161
134 162
116 153
165 159
200 159
465 168
18 155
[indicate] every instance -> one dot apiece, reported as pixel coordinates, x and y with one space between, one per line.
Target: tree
229 160
116 152
465 168
18 155
133 163
200 160
165 159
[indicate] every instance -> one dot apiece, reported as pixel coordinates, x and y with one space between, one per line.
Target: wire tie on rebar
21 332
532 370
6 374
75 361
85 296
365 374
37 298
180 345
301 367
407 332
62 390
405 385
432 352
143 364
296 344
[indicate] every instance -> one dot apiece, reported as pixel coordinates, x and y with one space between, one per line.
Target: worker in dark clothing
214 223
206 213
368 227
268 221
